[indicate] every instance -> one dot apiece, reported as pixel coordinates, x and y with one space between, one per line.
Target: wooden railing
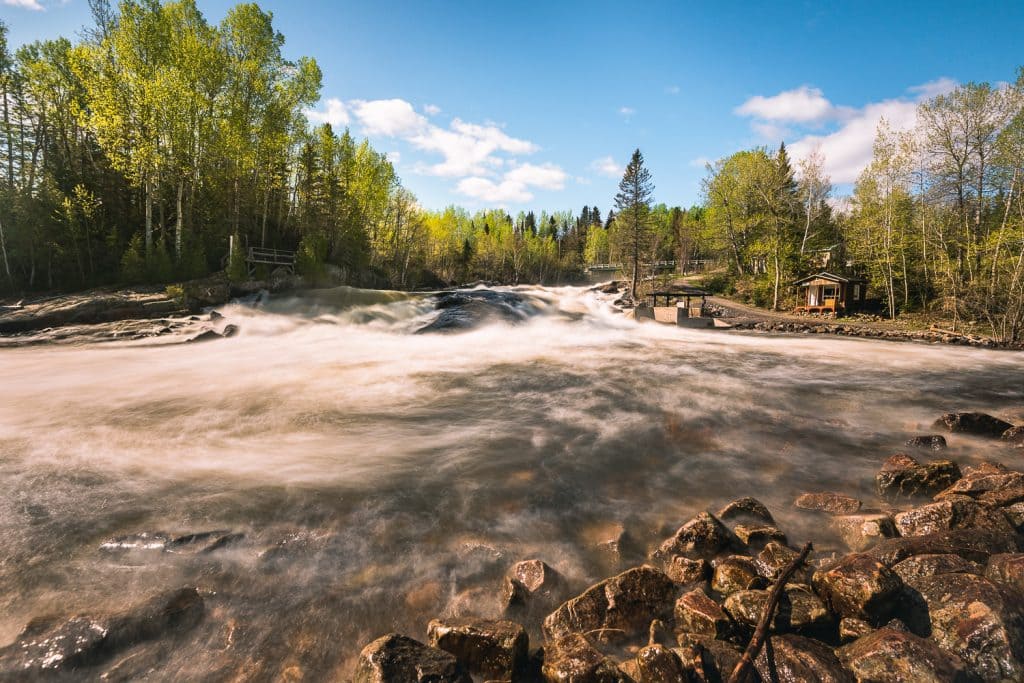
275 258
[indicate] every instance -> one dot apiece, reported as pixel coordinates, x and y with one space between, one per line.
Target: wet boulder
891 656
757 536
685 571
795 659
859 586
977 424
490 648
902 476
971 544
931 442
773 560
659 664
621 606
704 536
574 657
746 510
990 483
828 502
708 658
50 646
851 629
799 610
1014 435
735 573
1015 515
979 621
398 659
469 309
696 613
861 531
947 515
1007 569
918 567
532 585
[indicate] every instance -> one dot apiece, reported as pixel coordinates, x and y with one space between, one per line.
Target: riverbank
931 589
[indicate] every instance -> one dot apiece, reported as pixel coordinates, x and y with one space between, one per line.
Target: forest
140 151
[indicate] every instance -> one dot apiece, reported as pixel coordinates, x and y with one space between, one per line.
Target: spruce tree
633 223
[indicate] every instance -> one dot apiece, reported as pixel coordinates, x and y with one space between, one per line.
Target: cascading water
369 478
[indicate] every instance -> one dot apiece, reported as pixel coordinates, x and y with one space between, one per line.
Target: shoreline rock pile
864 332
931 590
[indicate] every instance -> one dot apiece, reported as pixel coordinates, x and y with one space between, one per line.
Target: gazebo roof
680 290
838 279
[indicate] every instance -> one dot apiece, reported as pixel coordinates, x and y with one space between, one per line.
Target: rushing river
381 478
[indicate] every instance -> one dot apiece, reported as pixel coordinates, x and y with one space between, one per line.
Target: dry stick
742 670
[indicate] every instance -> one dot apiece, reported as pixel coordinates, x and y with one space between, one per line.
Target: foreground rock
696 613
397 659
859 586
977 424
891 656
622 606
947 515
795 658
465 310
799 610
575 658
531 586
47 647
931 442
989 483
980 622
971 544
862 531
704 536
489 648
902 476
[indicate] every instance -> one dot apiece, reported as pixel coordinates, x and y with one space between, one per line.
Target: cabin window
829 293
856 292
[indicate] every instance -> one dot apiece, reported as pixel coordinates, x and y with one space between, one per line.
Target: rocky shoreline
865 332
931 590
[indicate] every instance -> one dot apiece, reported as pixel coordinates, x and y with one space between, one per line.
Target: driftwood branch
742 670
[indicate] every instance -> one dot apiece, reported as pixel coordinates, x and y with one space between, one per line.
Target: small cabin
828 293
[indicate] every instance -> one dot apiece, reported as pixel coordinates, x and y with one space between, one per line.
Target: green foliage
177 293
133 262
311 257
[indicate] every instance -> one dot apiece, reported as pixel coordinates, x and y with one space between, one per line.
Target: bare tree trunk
149 216
3 249
179 223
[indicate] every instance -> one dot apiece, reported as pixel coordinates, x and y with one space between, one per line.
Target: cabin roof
839 279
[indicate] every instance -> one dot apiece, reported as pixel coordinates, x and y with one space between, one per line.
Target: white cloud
482 155
672 89
700 162
844 135
394 157
546 176
627 111
606 166
514 187
33 5
804 104
390 118
333 112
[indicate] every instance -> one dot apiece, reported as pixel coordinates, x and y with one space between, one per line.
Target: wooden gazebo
678 293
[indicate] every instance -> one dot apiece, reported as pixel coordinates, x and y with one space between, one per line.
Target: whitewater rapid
419 467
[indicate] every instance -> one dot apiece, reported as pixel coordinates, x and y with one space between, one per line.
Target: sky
538 105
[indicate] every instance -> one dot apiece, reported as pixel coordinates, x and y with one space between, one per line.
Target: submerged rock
901 475
891 656
859 586
464 310
831 503
1014 435
493 649
618 607
53 646
932 442
978 424
862 531
397 659
532 585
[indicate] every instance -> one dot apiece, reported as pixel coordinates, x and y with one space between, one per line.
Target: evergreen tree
633 225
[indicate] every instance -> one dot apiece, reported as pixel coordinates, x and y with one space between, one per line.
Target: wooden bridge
275 258
656 265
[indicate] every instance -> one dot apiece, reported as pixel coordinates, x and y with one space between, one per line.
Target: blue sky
540 104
